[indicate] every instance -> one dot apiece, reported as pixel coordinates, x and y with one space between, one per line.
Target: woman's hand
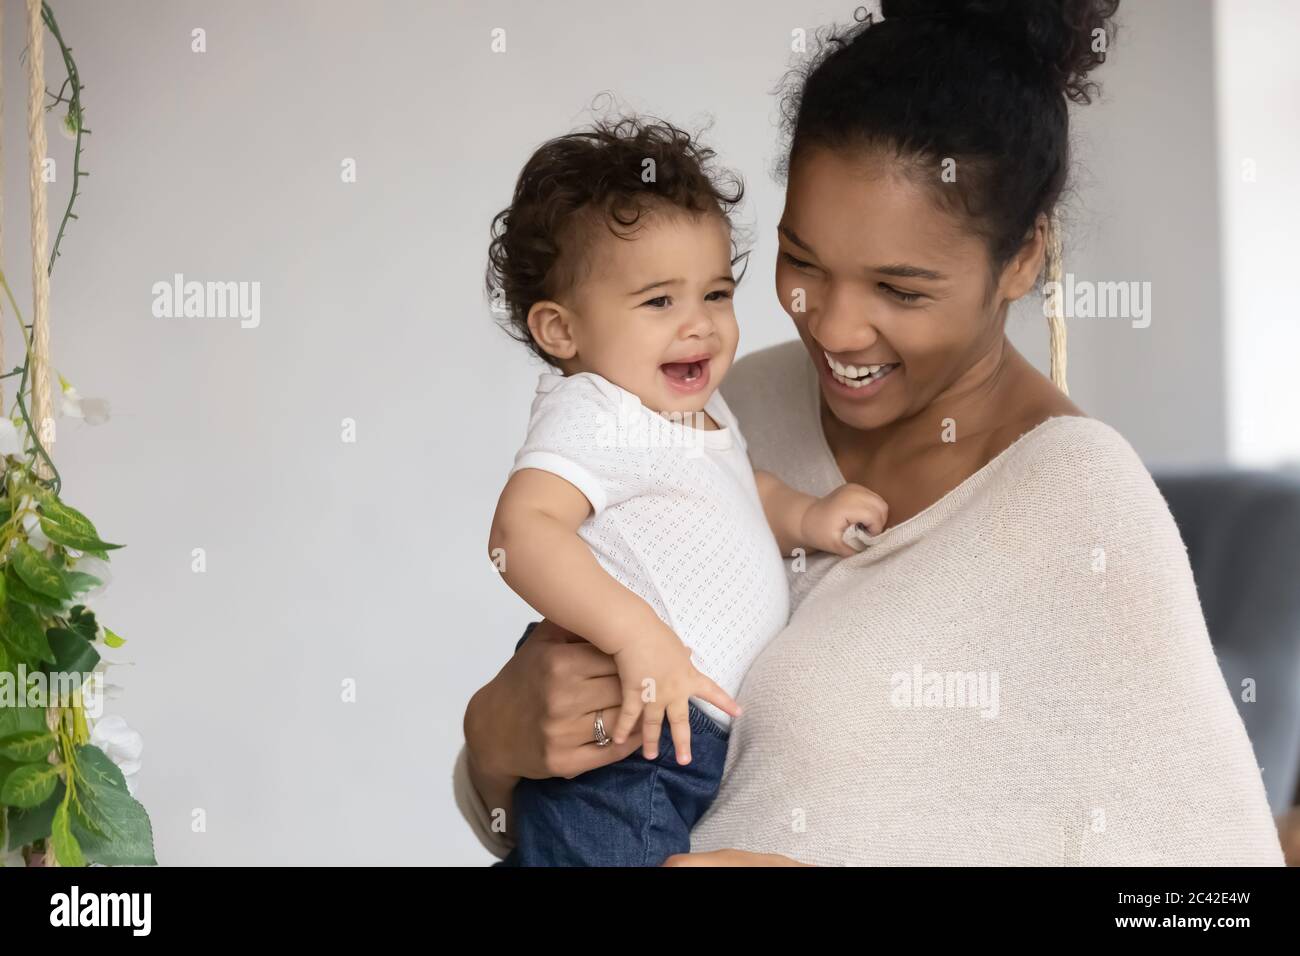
536 717
731 858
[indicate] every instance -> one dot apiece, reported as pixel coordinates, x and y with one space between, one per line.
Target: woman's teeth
857 376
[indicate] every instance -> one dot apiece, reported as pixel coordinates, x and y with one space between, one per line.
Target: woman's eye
797 263
900 295
718 295
658 302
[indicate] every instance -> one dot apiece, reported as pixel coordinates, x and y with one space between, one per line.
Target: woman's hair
608 176
982 83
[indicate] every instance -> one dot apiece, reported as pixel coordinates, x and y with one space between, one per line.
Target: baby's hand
827 519
661 659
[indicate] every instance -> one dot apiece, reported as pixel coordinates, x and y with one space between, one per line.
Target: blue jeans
635 812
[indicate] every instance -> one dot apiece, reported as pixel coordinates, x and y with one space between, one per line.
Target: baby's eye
797 263
658 302
718 294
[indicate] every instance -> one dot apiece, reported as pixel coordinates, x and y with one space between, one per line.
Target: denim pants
635 812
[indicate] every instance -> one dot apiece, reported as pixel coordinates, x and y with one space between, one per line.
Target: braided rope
1055 316
42 417
2 202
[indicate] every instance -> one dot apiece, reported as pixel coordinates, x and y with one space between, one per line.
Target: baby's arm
798 520
548 565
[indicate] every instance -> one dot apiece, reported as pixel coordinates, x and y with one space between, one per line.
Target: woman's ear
551 325
1021 272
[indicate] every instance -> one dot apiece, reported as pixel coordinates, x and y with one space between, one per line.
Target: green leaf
28 747
73 654
83 822
66 848
21 630
70 518
112 639
127 837
38 573
25 595
83 622
71 538
79 581
28 826
30 785
20 720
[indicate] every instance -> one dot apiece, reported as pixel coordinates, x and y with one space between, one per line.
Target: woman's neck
997 391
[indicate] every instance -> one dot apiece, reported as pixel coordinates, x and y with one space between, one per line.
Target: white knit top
676 516
1020 674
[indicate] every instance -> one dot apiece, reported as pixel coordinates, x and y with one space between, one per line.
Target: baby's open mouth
683 371
688 376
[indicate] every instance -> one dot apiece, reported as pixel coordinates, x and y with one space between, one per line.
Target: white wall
1259 142
329 561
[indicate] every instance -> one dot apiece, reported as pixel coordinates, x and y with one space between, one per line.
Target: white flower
32 524
96 568
10 443
121 744
93 411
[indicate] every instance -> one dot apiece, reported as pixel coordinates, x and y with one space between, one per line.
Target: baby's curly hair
615 172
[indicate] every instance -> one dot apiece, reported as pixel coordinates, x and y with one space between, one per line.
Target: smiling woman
1026 544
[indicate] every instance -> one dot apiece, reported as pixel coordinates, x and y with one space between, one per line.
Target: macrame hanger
1055 316
3 366
41 412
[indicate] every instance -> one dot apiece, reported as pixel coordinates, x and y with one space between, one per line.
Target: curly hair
981 82
614 173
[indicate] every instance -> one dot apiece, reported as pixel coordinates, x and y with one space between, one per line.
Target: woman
1017 670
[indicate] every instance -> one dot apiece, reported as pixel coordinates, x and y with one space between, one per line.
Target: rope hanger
42 412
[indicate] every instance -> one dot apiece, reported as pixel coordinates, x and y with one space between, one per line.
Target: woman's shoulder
1077 479
1074 449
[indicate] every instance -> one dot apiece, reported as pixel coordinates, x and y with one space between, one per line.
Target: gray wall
329 560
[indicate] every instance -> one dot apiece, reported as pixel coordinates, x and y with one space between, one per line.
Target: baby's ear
551 325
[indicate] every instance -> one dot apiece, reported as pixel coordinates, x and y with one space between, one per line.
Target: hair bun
1065 39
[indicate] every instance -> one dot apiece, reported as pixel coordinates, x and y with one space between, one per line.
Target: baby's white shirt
676 515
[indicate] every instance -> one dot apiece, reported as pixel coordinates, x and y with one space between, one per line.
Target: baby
632 516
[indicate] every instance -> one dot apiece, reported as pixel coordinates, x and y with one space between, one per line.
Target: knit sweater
1020 674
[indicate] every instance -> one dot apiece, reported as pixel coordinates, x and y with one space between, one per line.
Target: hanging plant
63 800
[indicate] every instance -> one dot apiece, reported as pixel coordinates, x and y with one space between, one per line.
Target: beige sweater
1020 674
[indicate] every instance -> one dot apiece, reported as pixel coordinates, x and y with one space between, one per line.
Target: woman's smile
861 380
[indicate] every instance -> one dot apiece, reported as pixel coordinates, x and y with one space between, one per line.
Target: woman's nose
843 324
